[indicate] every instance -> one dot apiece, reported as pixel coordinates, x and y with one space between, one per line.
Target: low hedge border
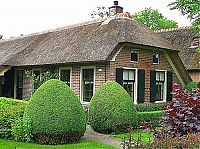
150 117
147 107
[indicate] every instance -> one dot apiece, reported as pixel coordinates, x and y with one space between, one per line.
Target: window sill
84 103
134 62
160 101
155 63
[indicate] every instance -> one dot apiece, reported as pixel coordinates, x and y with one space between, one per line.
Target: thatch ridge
55 29
175 29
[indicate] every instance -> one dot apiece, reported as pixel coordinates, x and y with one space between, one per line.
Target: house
186 40
90 53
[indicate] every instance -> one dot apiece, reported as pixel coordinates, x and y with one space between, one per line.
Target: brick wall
27 87
105 72
123 59
195 75
100 78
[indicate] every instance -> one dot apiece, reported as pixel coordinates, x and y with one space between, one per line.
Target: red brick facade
195 75
123 59
105 72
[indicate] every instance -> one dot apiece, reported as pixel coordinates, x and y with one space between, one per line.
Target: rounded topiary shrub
111 109
56 114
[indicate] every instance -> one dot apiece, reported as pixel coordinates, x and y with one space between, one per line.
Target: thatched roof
85 42
182 37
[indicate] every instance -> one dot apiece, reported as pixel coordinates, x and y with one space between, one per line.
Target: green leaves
190 8
111 109
153 19
55 113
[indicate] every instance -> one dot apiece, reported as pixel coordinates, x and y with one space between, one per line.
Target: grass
83 144
145 136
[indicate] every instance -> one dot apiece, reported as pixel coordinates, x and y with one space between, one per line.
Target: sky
29 16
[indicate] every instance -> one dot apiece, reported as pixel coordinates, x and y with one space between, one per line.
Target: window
37 76
160 82
65 76
87 84
128 81
134 56
155 57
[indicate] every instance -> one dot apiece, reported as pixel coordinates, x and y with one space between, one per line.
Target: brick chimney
115 9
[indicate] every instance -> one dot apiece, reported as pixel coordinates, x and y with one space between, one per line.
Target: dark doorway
7 84
2 86
19 84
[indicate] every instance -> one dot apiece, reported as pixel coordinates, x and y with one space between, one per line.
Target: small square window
155 58
134 56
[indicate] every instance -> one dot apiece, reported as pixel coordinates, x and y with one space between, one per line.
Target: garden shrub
147 107
111 109
182 115
150 117
21 129
10 110
56 114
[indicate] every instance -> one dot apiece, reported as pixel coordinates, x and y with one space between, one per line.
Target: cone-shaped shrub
56 114
111 109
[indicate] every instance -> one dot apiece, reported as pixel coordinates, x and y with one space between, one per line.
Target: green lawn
84 144
144 136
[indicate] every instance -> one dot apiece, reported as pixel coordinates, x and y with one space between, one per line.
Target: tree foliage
100 11
153 19
190 8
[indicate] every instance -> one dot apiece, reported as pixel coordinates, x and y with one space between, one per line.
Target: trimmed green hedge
150 117
147 107
111 109
56 114
10 111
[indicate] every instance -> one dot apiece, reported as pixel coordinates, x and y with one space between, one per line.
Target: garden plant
111 109
55 114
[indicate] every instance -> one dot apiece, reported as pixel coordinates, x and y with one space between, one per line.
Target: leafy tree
190 8
153 19
100 12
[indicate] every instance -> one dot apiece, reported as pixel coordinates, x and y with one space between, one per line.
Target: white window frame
165 87
136 62
66 68
81 87
135 84
158 57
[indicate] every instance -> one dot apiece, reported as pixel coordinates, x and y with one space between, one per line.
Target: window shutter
119 76
169 85
152 86
141 86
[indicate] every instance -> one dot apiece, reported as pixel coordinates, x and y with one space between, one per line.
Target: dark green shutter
119 76
141 86
152 86
169 85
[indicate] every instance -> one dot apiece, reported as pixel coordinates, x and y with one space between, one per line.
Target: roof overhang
4 70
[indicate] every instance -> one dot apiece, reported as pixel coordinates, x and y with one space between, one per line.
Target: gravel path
102 138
